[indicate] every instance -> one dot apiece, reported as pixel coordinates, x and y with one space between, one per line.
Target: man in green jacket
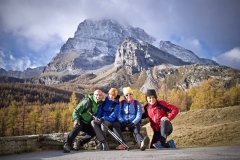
82 120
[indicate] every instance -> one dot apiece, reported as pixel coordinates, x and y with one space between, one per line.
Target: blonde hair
113 91
127 90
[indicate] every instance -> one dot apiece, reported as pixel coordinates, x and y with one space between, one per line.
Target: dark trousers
165 130
86 128
118 128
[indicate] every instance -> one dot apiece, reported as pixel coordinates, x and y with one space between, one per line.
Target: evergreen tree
23 115
34 120
13 119
73 101
234 93
3 121
57 119
67 119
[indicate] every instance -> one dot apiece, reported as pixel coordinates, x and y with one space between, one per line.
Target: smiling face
98 95
128 97
151 100
111 96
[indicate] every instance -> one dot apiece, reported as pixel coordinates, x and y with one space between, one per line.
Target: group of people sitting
95 116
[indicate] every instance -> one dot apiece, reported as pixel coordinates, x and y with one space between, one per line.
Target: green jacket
80 112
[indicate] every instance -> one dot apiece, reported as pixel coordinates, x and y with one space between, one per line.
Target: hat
127 90
113 91
151 92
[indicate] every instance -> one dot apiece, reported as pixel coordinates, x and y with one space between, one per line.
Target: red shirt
155 114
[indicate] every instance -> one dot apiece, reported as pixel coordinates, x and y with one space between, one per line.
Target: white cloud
42 22
9 62
230 58
38 22
194 45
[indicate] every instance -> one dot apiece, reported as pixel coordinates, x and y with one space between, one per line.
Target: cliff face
184 54
136 56
104 53
93 46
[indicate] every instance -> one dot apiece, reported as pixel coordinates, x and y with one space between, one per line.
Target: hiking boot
120 147
144 143
171 143
99 147
66 148
105 146
157 145
75 146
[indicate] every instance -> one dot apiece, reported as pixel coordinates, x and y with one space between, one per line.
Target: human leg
89 134
166 130
141 141
89 131
117 129
98 131
155 139
71 136
100 136
108 125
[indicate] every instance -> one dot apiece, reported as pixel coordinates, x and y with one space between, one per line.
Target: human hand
131 125
75 123
164 119
98 120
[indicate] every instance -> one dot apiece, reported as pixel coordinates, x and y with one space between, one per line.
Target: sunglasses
128 94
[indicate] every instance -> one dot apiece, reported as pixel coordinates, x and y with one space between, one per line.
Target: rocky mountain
3 72
93 46
141 65
104 53
183 54
160 76
137 56
188 76
26 74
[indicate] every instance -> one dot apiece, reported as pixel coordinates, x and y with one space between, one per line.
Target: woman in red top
160 113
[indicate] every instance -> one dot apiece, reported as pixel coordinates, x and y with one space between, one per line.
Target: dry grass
206 127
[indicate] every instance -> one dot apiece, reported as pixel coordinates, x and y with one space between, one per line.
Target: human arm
174 110
138 114
119 114
78 110
112 117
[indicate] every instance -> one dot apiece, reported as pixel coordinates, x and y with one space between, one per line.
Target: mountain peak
136 56
94 45
184 54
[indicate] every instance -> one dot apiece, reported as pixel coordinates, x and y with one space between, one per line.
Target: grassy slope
206 127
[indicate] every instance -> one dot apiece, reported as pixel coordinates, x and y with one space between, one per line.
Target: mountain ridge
94 45
184 54
101 54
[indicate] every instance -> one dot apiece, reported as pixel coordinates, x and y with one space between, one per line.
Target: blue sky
32 31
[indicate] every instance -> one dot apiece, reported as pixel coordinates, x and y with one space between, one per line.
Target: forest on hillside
32 94
21 117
